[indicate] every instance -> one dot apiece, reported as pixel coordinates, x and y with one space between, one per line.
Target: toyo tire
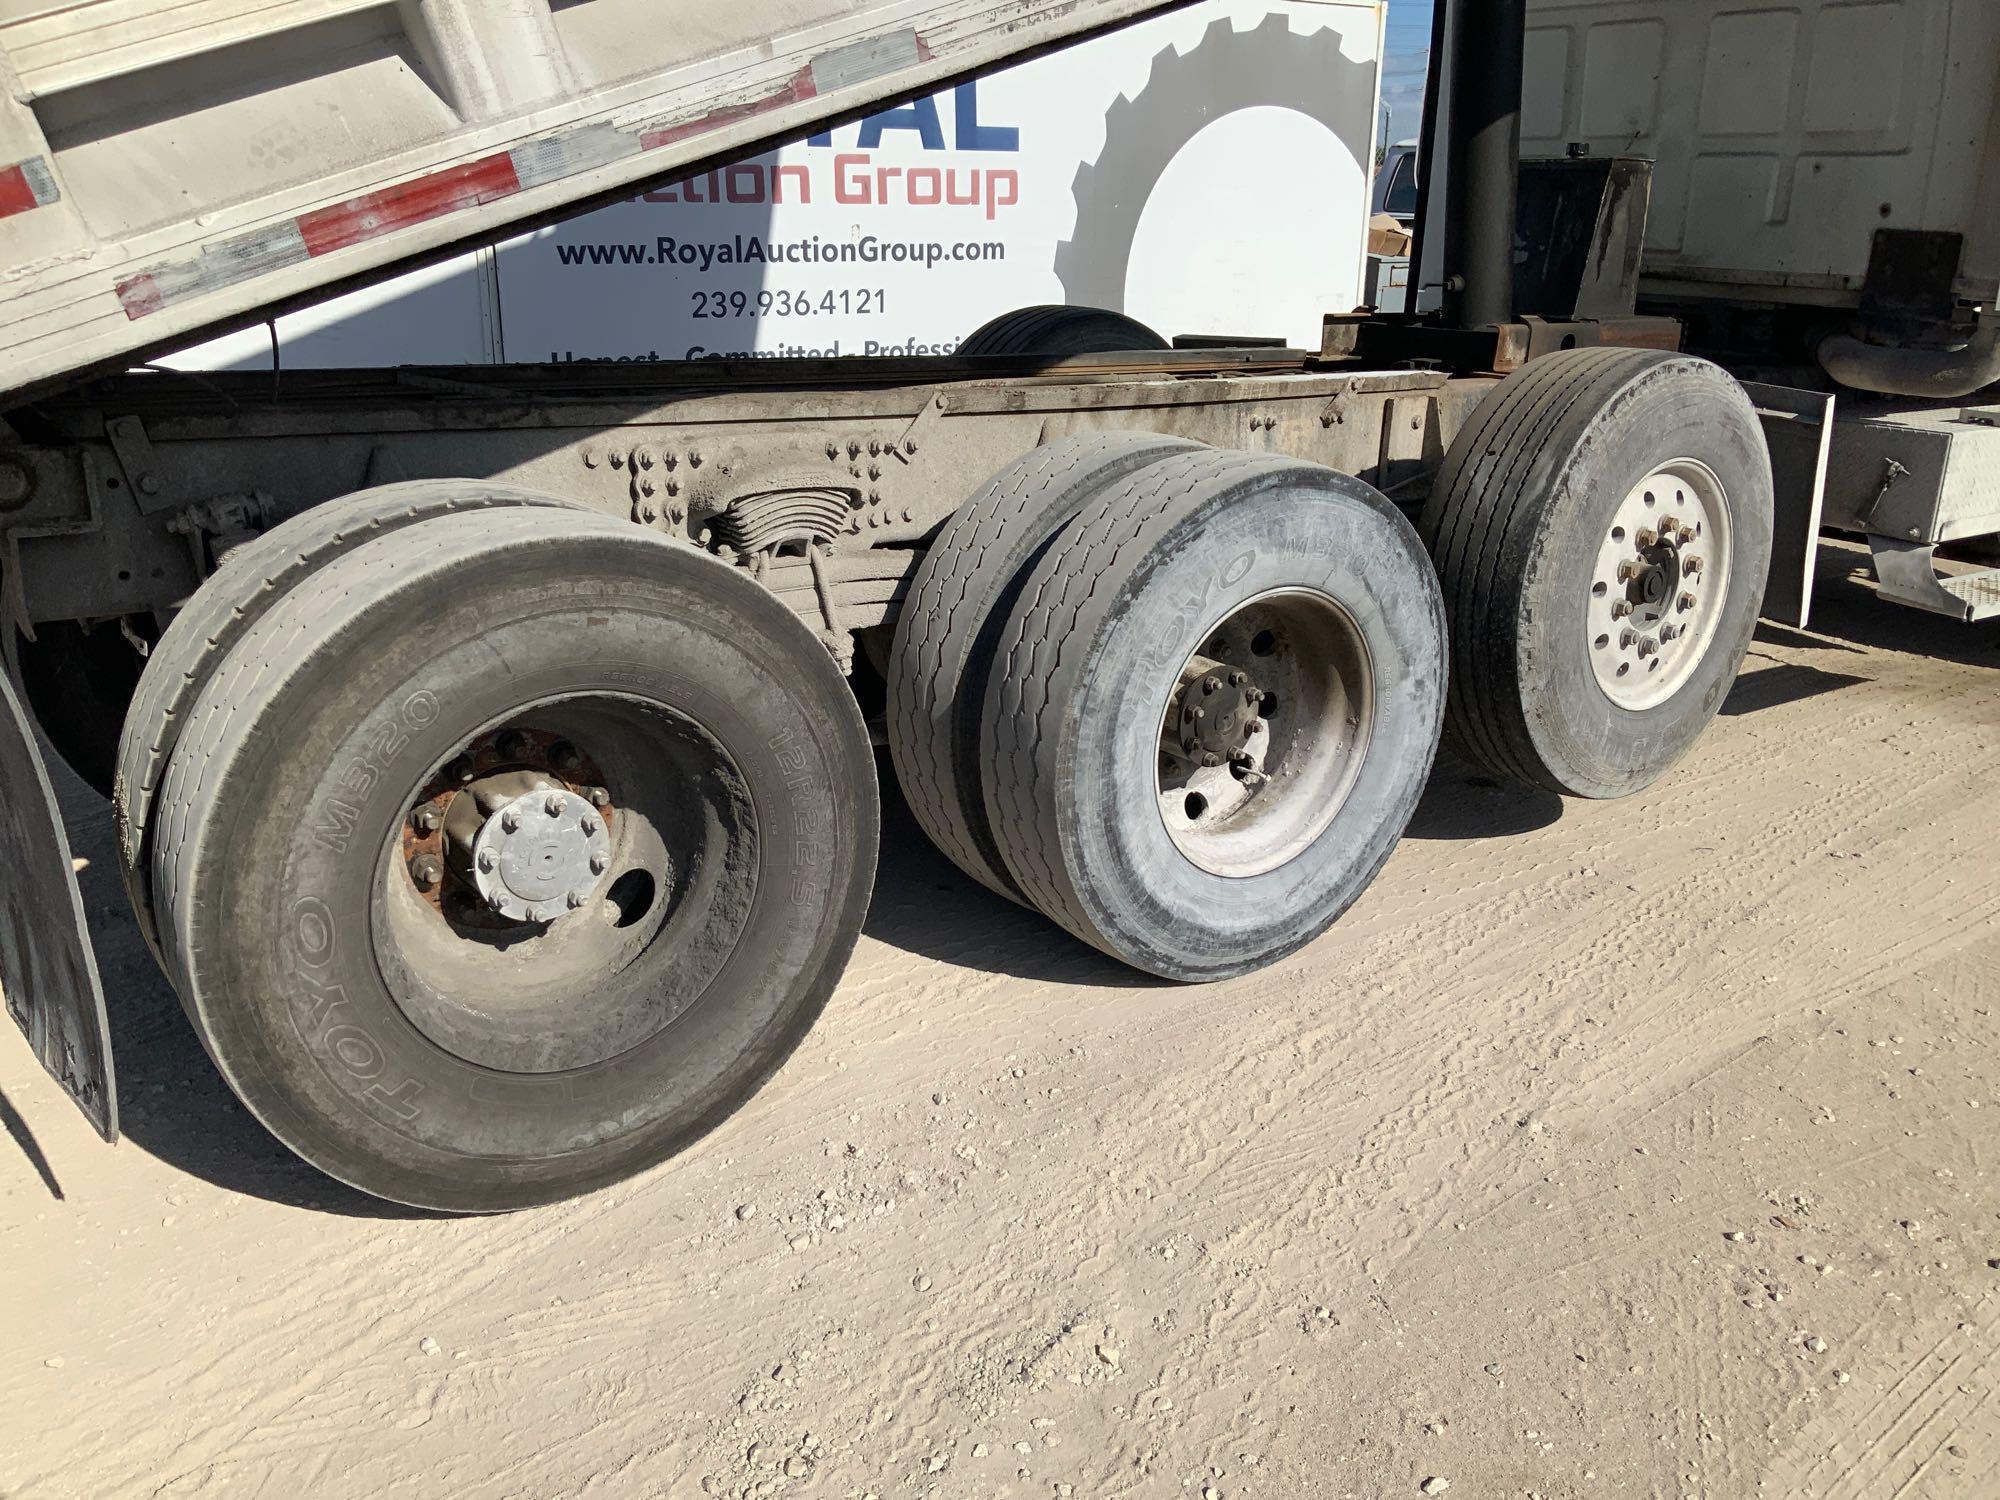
958 604
1602 531
446 1055
1294 607
251 579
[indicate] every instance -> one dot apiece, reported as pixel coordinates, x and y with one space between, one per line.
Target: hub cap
1264 733
1657 589
541 854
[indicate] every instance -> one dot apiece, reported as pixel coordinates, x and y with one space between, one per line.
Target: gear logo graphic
1228 71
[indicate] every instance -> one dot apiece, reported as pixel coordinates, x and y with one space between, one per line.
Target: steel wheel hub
1264 732
1657 589
539 854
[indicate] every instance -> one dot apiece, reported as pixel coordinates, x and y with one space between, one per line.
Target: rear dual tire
469 1064
1088 624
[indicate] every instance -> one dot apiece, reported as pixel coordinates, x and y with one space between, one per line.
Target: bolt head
1627 571
426 870
553 804
589 826
486 861
1621 608
1691 565
425 819
575 900
599 864
509 821
1211 684
1687 601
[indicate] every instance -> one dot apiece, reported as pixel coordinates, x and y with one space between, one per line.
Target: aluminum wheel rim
1264 732
1659 583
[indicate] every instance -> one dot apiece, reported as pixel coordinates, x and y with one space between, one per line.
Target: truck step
1980 591
1905 574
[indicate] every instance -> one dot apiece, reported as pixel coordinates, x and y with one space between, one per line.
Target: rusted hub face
483 847
1219 708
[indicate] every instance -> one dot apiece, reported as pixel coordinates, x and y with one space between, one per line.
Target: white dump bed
172 166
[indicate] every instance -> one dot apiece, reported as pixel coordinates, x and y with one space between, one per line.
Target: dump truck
492 750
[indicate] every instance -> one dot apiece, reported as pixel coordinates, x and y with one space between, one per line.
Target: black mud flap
46 968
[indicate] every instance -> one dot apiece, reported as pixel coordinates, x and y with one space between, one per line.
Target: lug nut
1627 571
1253 726
509 821
1211 759
575 900
425 819
553 804
1687 601
486 861
460 770
1648 538
1211 684
426 870
599 864
1691 566
1237 679
589 827
598 797
1625 639
1621 608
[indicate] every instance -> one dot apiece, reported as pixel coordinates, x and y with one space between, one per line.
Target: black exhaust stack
1483 160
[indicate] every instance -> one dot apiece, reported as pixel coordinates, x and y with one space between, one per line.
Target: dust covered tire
433 1054
957 606
1057 330
251 579
1586 656
1283 570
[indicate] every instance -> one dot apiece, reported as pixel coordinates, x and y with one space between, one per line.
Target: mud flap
46 968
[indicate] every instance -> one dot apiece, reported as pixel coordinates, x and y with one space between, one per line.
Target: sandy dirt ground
1644 1148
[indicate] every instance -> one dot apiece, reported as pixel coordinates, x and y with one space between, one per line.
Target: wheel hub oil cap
540 855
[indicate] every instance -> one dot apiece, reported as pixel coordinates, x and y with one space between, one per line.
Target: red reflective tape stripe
797 91
407 203
140 295
16 197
